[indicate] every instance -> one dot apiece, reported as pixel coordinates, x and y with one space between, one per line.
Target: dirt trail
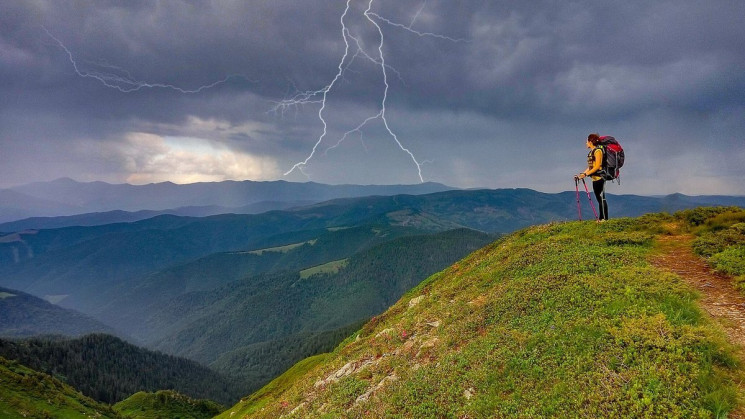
718 297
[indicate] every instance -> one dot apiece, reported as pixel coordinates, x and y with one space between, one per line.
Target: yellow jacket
594 162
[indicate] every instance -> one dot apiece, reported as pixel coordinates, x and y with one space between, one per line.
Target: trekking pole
590 199
576 189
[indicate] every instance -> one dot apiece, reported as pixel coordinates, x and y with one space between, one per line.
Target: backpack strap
602 172
591 161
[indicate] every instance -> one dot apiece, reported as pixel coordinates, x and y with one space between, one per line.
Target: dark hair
593 138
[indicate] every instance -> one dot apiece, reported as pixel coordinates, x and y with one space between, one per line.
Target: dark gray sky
480 93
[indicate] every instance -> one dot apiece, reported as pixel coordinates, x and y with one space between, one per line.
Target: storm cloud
482 93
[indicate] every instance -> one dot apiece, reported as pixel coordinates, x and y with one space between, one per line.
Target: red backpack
613 158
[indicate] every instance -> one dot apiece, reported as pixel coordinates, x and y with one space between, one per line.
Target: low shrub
698 216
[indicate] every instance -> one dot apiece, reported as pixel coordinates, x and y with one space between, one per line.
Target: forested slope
109 370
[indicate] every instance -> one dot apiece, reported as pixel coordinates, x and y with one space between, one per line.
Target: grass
166 404
720 238
4 295
25 393
327 268
280 249
561 320
56 299
273 390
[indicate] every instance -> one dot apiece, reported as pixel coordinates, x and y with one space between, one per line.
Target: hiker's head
593 139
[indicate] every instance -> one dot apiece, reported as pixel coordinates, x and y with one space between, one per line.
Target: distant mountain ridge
25 315
50 262
68 197
67 203
119 216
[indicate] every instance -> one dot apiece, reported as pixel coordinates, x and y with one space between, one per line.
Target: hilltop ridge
567 319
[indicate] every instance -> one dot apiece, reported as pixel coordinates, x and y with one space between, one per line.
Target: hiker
594 167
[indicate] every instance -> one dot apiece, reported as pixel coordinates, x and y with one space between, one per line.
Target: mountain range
24 315
218 308
252 294
65 202
66 197
70 265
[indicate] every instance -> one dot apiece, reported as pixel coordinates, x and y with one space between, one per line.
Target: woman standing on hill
594 165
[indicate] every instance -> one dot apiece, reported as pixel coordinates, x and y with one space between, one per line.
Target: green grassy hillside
560 320
166 404
25 393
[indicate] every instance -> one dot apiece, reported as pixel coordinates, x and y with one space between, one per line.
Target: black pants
598 186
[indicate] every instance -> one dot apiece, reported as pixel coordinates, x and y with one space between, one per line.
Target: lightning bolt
320 96
368 15
126 84
414 31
